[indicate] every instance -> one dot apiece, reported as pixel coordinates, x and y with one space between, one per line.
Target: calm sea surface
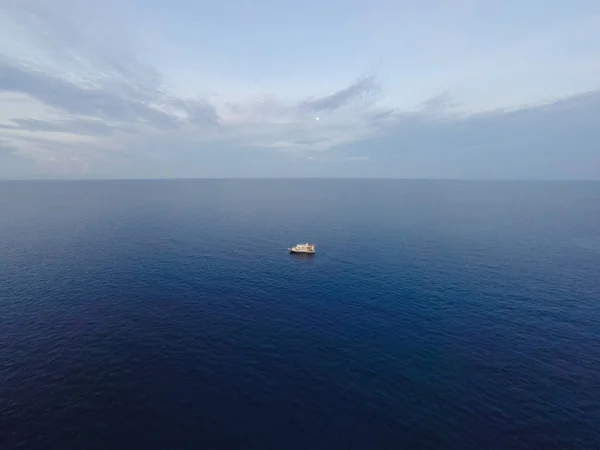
169 315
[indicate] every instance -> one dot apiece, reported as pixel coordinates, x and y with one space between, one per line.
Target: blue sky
429 89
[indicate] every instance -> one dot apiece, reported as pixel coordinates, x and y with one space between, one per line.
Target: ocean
170 315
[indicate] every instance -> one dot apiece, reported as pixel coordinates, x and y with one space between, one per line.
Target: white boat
302 248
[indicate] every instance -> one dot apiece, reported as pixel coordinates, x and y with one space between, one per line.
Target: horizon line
534 180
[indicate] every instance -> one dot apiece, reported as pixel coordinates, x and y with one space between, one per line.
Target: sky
467 89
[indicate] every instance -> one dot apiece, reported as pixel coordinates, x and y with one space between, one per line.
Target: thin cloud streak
86 127
364 89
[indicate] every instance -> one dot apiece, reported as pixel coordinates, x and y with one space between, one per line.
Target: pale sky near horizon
385 88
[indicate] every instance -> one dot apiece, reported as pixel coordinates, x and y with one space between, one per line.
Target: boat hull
304 252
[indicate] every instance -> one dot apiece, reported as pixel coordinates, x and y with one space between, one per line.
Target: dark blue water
169 315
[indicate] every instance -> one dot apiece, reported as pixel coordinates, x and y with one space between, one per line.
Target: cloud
88 127
363 89
558 140
357 158
83 68
121 103
437 103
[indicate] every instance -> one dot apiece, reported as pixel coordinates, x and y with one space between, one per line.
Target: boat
302 248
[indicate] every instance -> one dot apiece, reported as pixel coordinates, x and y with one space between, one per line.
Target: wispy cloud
357 158
438 103
89 127
104 100
364 89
